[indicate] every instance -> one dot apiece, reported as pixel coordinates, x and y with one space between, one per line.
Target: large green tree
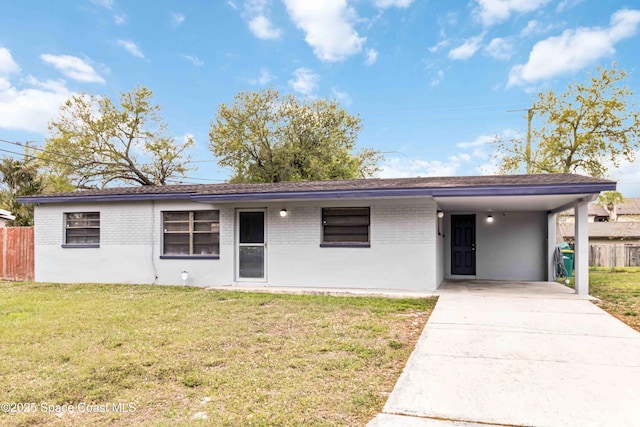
586 129
19 178
264 136
95 143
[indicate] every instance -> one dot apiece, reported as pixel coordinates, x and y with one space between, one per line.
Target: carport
509 232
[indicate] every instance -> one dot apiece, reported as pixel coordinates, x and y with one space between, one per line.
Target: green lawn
619 291
175 353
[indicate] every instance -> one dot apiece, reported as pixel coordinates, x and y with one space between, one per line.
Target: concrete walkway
518 354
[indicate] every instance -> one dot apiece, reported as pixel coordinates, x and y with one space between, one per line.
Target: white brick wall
402 224
402 252
301 226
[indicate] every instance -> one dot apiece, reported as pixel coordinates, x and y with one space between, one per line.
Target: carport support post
581 248
551 244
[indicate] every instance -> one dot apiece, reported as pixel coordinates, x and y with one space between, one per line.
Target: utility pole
527 150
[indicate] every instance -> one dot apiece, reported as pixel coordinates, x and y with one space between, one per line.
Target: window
192 234
82 229
345 227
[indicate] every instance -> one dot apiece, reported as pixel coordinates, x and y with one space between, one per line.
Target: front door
251 246
463 244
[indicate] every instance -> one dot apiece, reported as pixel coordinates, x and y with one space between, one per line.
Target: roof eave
475 191
592 188
104 198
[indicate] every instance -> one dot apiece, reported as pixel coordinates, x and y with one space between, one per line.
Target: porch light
283 212
184 275
440 214
489 219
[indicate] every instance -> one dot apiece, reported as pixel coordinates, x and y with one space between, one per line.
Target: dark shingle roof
611 230
630 206
306 187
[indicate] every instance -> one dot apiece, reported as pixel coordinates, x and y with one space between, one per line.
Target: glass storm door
252 248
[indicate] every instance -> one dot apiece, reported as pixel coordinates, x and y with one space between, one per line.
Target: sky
433 81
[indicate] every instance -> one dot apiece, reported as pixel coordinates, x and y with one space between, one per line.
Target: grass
619 292
185 355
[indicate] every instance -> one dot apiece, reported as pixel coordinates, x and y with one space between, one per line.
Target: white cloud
343 97
438 46
372 57
304 81
481 152
131 47
187 137
264 78
567 4
73 67
480 141
32 107
232 5
467 49
398 167
256 6
535 27
574 49
255 12
383 4
177 18
328 27
119 19
531 28
627 175
493 12
7 64
499 48
107 4
193 59
437 79
262 28
624 24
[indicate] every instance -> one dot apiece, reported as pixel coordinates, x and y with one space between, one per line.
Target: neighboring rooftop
630 206
6 215
605 230
434 186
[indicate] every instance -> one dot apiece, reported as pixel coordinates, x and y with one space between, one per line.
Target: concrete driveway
518 354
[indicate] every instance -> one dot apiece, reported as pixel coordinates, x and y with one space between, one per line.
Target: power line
79 159
26 145
22 154
196 179
498 107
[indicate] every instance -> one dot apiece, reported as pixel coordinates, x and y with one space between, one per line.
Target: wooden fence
614 256
16 253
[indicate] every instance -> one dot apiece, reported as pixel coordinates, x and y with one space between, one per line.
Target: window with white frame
345 226
82 228
191 233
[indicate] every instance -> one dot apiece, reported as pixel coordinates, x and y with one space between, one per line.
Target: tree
586 129
267 137
610 200
96 143
19 178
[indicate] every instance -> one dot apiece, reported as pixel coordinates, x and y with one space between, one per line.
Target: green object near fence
567 257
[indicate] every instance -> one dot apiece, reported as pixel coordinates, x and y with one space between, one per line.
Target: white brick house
408 234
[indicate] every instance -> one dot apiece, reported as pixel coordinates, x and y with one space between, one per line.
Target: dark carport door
463 244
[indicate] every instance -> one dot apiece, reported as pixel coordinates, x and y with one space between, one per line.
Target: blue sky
433 81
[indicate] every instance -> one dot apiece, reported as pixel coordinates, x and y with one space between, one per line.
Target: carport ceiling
506 203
